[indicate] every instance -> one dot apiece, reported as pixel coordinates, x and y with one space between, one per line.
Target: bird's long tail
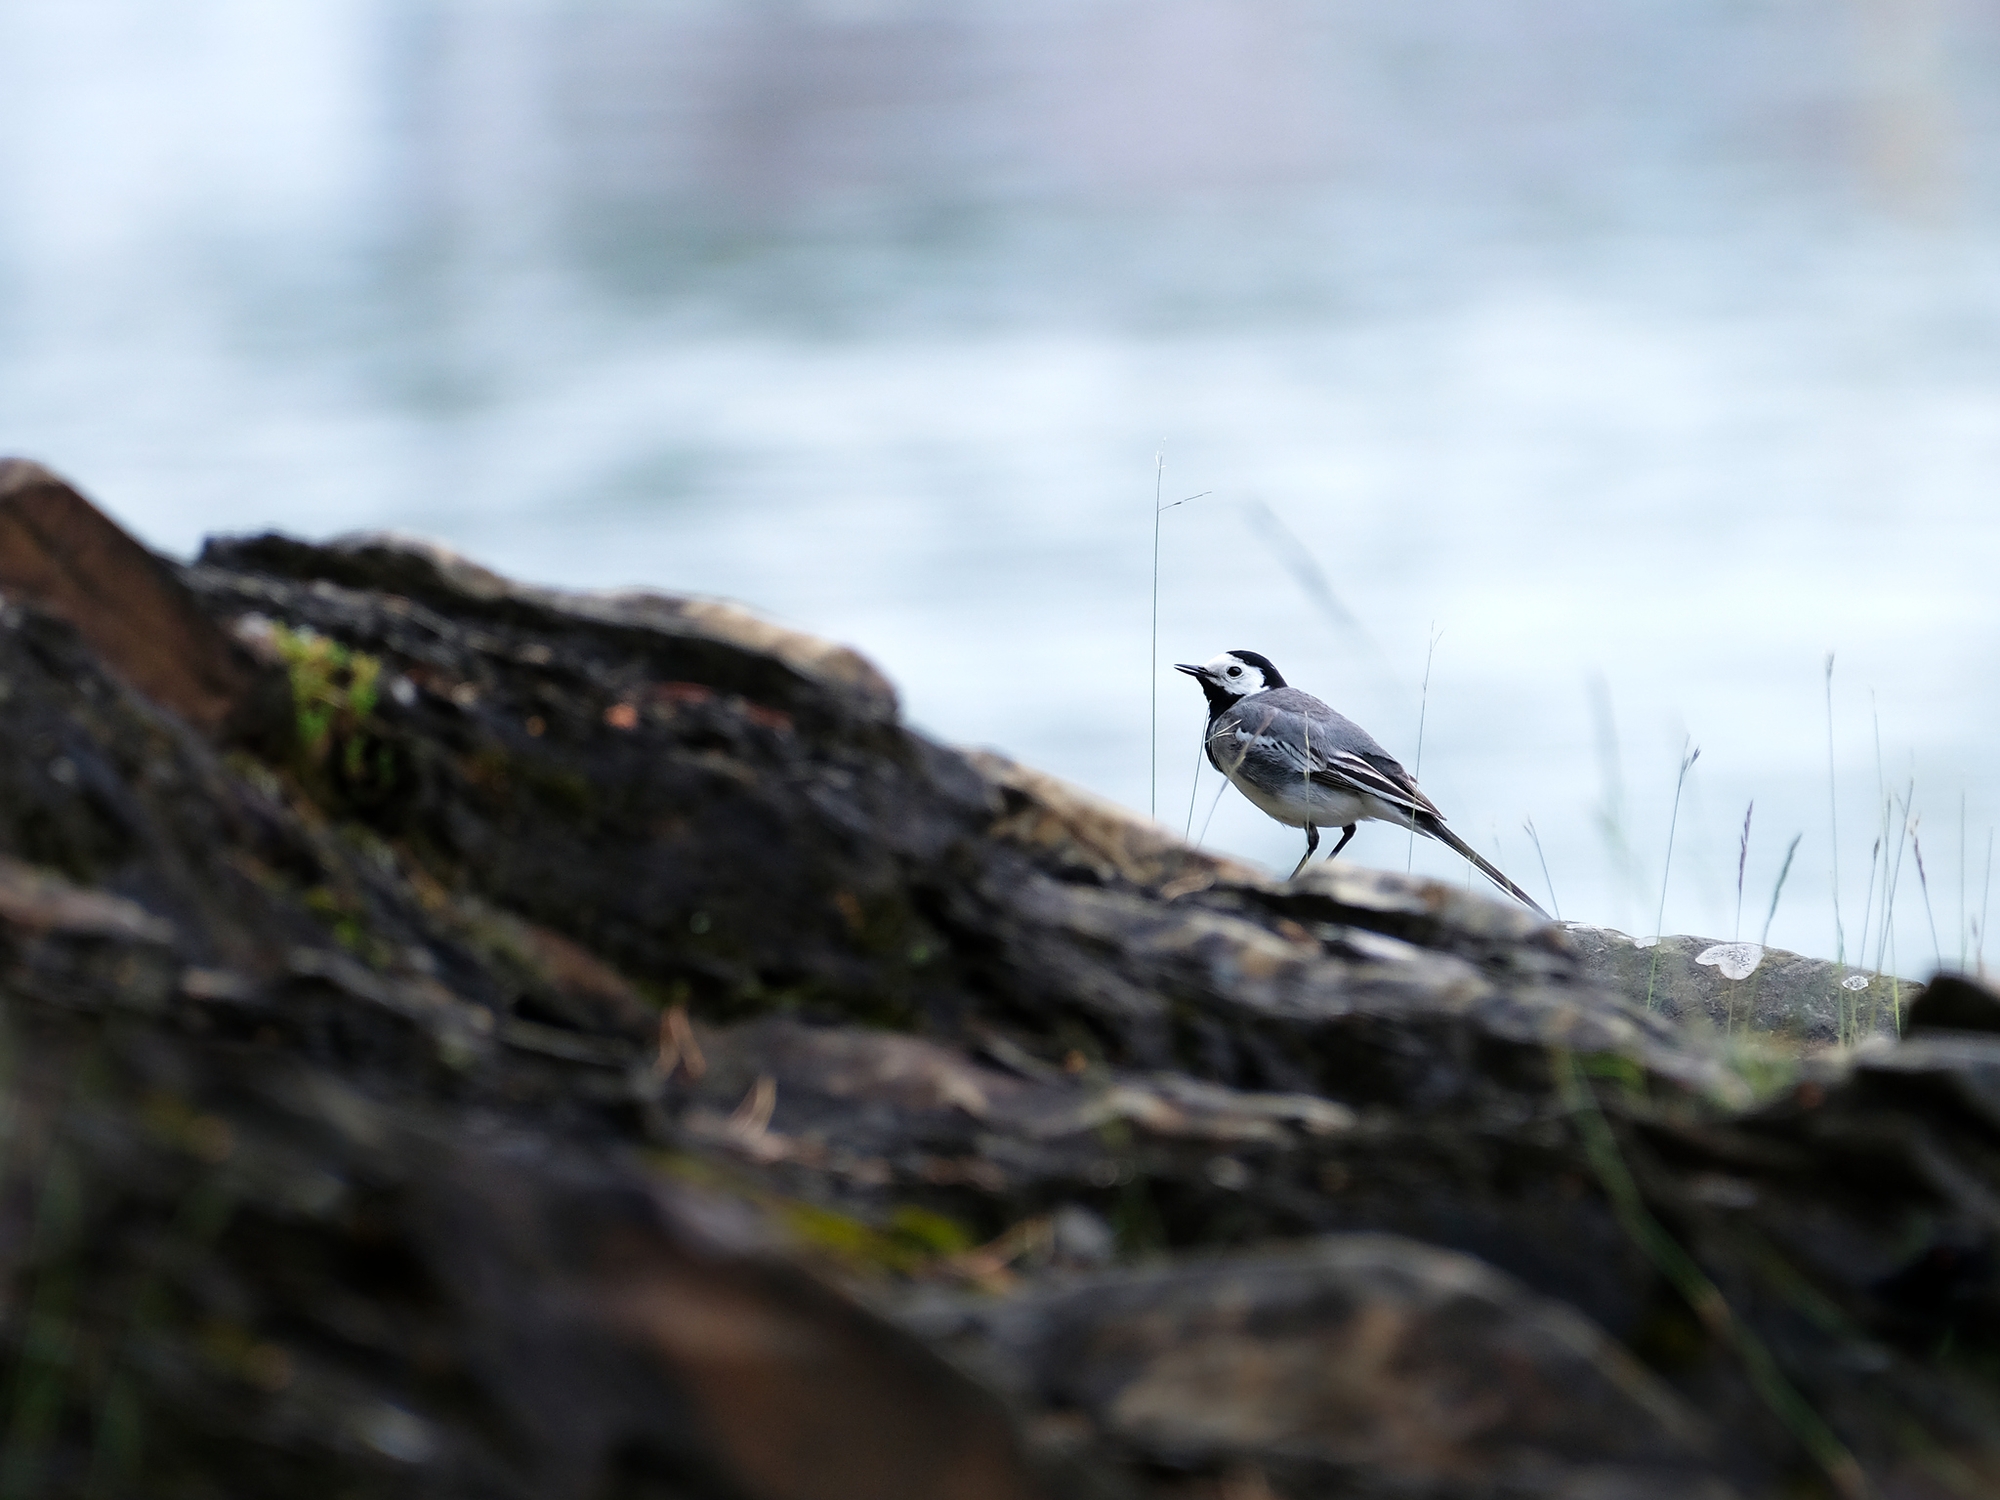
1435 829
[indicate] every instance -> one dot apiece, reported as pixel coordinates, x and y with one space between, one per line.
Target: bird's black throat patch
1219 697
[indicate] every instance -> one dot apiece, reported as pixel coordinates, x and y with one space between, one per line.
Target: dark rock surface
1338 1366
1954 1002
600 1052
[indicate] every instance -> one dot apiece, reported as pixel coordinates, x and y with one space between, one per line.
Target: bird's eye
1235 671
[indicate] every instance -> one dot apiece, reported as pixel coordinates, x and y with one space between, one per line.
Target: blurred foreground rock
596 1051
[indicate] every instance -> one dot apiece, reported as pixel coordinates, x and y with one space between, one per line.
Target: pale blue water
1656 347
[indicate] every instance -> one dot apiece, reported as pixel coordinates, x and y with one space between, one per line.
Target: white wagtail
1308 767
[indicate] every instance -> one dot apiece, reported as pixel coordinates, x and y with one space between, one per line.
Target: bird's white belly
1307 802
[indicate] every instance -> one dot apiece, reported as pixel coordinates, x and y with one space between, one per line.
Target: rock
1744 989
604 1053
340 1296
70 947
60 553
421 570
1954 1002
1354 1364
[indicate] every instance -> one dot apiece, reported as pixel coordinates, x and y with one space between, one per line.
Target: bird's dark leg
1312 843
1345 834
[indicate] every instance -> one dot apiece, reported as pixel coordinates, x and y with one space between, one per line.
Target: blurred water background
1610 364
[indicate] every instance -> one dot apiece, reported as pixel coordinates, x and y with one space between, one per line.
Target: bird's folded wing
1390 783
1271 739
1286 739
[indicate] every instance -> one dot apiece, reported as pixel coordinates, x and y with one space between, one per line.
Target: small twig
1212 806
1423 712
753 1116
1293 556
1833 828
1985 898
1153 655
1554 904
1153 659
1868 903
1885 942
1193 788
1688 758
1742 859
984 1262
678 1048
1234 766
1961 883
1764 938
1924 880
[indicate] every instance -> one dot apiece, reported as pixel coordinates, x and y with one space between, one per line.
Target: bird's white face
1233 675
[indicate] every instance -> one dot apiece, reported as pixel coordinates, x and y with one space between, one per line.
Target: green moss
1615 1067
929 1233
911 1239
344 917
339 751
326 904
841 1234
1767 1070
334 688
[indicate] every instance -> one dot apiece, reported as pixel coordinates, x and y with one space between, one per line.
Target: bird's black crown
1273 678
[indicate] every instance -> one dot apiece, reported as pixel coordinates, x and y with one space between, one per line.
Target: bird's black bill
1181 666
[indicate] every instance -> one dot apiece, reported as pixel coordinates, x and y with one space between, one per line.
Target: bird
1305 765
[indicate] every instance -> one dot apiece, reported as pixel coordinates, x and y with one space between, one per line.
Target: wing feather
1389 783
1274 735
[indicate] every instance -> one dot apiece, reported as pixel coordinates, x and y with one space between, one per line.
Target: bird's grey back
1288 714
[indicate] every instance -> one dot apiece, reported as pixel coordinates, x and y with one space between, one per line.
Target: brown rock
63 555
653 1345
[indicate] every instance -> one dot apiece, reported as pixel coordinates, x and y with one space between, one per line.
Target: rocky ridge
470 1039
